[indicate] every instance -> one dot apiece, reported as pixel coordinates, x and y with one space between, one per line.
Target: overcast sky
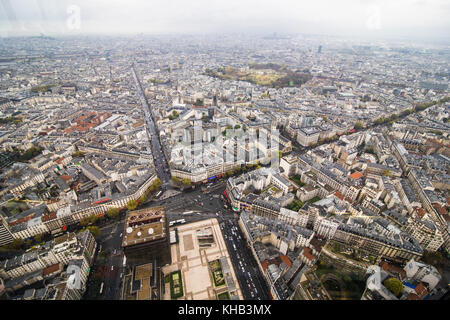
380 18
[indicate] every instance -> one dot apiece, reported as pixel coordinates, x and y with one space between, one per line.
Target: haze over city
424 19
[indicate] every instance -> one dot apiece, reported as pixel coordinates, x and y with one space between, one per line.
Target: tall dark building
146 237
319 50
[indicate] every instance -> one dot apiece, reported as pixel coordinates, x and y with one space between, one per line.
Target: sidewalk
169 193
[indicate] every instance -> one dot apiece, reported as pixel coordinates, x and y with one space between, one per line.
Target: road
111 267
159 159
251 281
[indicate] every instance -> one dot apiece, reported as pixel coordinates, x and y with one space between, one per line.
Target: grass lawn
176 285
223 296
295 205
269 77
217 274
297 180
315 199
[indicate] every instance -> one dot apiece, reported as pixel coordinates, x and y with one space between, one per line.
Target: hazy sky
402 18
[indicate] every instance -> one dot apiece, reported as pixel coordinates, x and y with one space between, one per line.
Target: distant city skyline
413 19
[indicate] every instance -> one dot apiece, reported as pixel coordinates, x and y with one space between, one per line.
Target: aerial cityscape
271 166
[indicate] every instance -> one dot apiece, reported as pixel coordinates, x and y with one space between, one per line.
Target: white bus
101 288
158 194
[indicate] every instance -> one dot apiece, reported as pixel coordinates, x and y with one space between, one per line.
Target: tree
337 247
380 120
176 180
394 285
77 154
93 219
14 120
84 222
358 125
17 243
186 182
371 150
112 213
386 173
157 184
132 204
41 88
30 153
238 126
96 232
436 259
142 198
174 115
295 205
100 219
38 238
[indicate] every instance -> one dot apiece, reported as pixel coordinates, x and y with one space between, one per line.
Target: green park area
268 75
217 274
297 179
156 81
223 296
15 120
13 207
295 205
271 189
42 88
350 253
340 284
176 285
315 199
